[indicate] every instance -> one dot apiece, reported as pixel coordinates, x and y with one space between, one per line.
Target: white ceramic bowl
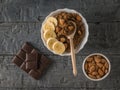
104 75
85 25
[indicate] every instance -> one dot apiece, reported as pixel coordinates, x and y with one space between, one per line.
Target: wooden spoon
70 37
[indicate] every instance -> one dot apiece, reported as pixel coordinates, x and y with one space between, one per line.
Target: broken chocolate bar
31 61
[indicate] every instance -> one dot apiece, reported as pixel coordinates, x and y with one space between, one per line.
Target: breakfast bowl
96 67
56 22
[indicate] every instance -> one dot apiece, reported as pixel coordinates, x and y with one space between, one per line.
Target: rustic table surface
20 21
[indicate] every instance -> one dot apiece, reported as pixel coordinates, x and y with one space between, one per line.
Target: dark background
20 21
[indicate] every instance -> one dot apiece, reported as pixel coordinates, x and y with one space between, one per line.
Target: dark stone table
20 21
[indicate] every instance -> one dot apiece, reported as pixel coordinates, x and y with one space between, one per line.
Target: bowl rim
83 42
83 69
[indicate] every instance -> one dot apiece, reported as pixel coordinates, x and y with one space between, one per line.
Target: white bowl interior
85 25
104 75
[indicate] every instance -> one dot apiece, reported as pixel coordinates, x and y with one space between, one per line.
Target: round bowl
83 68
85 25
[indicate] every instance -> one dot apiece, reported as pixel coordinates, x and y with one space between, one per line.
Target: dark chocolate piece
17 61
31 61
27 47
36 75
23 67
21 54
44 60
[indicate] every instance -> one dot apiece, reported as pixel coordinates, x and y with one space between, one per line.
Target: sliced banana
50 42
48 26
52 20
49 34
58 47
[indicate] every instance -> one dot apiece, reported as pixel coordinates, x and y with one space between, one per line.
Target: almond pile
96 66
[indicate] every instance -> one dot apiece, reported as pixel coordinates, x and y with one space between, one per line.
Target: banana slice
50 42
58 47
49 34
48 26
52 20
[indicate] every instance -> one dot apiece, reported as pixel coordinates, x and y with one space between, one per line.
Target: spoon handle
73 57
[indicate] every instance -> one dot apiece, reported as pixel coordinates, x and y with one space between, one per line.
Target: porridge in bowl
58 25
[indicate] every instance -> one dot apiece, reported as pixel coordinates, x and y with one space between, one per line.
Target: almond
106 71
94 73
79 32
106 65
103 68
71 28
93 62
101 73
98 56
62 39
89 64
61 21
97 60
96 67
92 68
78 18
91 76
100 65
89 59
98 76
86 66
103 61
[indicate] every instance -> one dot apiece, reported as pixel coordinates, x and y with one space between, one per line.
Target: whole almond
91 76
103 61
106 71
103 68
100 65
98 76
94 73
106 65
89 59
86 66
97 60
96 67
101 73
93 62
89 65
98 56
92 68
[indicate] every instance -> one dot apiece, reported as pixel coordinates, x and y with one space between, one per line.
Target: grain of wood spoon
70 37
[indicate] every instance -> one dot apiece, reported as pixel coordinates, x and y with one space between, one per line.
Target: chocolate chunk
21 54
41 68
39 58
44 60
31 61
36 75
34 51
23 67
31 57
31 65
27 47
17 61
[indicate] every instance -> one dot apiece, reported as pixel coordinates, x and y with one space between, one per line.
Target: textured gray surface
20 21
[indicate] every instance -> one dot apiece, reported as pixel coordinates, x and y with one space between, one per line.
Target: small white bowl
104 75
84 22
